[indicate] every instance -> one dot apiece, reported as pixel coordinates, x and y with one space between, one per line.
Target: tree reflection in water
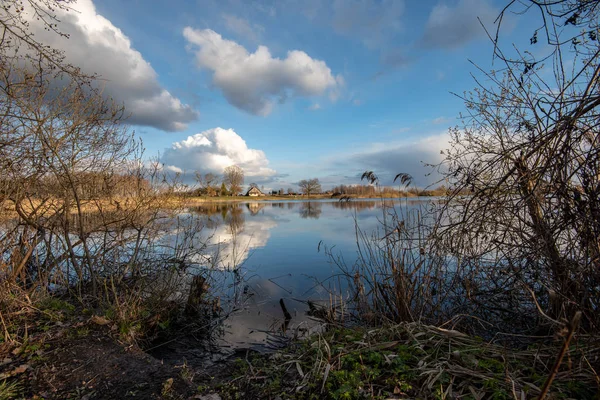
311 209
235 220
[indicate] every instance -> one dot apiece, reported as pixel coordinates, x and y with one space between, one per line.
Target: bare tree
84 207
21 50
233 176
528 156
207 183
199 180
310 186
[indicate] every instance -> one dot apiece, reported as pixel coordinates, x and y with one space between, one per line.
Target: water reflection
231 237
359 205
255 207
235 220
270 250
311 209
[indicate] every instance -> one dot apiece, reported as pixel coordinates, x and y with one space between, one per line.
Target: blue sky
288 90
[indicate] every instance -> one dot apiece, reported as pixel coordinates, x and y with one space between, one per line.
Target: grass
9 390
131 317
408 360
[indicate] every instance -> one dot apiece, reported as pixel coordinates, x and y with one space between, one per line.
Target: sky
287 90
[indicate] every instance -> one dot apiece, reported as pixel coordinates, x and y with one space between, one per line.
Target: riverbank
50 207
192 200
66 354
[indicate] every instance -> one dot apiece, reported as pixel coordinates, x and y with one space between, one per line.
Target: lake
270 250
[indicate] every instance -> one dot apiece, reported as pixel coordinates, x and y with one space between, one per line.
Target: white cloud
173 169
252 81
315 107
451 27
243 28
214 150
97 46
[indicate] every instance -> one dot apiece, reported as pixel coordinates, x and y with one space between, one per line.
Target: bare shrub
82 213
528 158
515 244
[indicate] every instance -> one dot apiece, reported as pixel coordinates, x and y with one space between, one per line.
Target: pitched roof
253 189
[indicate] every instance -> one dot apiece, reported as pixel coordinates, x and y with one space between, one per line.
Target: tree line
229 184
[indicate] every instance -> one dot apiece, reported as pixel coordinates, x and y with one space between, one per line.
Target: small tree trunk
544 235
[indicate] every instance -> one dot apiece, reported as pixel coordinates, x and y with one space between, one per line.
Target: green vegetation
8 390
404 361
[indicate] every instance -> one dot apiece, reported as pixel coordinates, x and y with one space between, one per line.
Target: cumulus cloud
98 47
450 27
214 150
252 81
315 107
373 21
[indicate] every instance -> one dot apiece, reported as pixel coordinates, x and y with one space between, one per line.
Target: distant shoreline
238 199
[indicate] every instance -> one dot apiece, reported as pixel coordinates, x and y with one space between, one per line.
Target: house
254 192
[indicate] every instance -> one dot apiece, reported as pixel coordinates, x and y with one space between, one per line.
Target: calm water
277 251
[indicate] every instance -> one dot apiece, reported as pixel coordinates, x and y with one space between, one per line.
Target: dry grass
53 206
410 360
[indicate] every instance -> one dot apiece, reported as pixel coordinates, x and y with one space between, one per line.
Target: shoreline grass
409 360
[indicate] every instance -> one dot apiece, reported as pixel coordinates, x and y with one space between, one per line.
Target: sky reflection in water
279 249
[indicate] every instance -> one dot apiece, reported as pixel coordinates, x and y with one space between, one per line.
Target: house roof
254 189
